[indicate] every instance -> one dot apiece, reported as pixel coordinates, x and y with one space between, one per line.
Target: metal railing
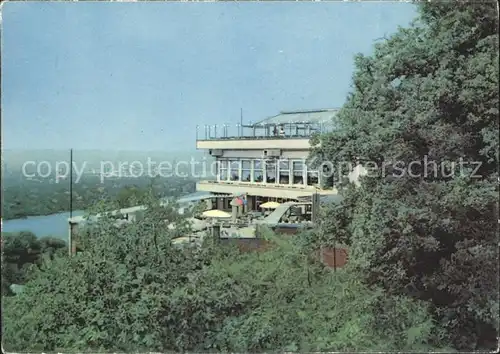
261 131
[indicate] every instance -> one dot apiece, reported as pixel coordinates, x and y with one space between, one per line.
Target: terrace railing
261 131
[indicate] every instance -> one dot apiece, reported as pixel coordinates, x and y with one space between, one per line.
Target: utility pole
71 183
70 234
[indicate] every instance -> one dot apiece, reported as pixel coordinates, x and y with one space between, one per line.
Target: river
45 225
56 225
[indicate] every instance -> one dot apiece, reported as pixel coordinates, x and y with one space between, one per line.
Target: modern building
260 162
267 160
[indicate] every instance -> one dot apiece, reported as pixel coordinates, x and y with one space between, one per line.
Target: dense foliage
422 224
132 290
22 250
29 197
423 246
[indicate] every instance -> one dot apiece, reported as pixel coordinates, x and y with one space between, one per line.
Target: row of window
282 171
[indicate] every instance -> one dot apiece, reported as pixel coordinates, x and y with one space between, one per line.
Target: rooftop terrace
285 125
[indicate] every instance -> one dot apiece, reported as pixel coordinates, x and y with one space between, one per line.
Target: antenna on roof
241 120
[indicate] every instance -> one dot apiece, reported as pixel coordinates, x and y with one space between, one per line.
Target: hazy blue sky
141 76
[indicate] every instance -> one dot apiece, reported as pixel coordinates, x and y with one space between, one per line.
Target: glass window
271 171
284 172
234 166
246 170
257 172
298 169
284 165
312 178
223 172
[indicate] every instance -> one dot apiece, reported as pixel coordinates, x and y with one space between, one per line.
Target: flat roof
301 117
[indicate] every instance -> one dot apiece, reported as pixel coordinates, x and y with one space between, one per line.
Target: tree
130 196
19 251
52 246
112 296
22 250
422 116
277 301
131 290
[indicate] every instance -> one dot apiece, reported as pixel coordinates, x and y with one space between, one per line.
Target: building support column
264 171
252 170
245 204
234 212
250 202
304 174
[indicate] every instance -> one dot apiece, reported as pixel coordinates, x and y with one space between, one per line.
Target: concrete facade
268 159
264 190
254 144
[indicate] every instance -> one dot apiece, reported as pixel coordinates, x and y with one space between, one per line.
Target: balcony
259 131
273 132
262 189
254 143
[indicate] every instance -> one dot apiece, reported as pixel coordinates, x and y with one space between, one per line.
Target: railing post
197 126
215 131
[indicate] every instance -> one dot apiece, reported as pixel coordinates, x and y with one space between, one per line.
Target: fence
330 257
238 131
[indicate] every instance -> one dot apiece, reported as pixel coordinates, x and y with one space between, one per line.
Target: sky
142 76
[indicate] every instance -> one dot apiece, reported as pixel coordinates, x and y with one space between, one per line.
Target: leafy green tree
52 246
112 296
19 250
197 209
22 250
422 224
132 290
280 301
130 196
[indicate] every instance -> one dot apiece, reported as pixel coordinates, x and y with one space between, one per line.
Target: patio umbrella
270 205
216 214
